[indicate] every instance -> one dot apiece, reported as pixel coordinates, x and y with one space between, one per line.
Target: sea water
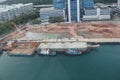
102 63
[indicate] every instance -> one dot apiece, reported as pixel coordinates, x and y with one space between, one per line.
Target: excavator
34 44
16 27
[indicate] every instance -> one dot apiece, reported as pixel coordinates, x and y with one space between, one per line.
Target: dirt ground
84 29
87 30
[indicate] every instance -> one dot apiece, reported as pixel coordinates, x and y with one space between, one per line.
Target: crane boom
17 28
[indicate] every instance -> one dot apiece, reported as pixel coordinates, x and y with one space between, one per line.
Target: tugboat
71 52
46 52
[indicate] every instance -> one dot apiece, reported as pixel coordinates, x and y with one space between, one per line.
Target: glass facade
73 10
59 4
83 4
105 12
90 12
88 3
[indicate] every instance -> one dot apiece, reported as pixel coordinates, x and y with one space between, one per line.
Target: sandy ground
87 30
66 30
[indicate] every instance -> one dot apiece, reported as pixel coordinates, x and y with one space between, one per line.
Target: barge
22 52
21 49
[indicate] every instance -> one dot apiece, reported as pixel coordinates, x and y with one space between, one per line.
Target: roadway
42 6
95 40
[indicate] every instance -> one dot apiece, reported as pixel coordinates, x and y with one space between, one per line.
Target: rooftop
45 9
13 6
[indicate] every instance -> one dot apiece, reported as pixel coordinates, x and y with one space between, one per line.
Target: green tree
6 26
36 21
56 19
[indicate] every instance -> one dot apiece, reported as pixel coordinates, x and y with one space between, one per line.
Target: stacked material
32 35
23 52
66 45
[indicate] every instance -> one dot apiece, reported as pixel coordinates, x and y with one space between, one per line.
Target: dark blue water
99 64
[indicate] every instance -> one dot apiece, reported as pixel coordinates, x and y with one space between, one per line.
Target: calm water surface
100 64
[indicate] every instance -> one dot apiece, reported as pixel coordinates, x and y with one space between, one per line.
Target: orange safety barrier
35 44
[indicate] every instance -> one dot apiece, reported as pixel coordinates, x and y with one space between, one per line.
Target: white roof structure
65 45
8 7
2 1
44 9
8 12
45 13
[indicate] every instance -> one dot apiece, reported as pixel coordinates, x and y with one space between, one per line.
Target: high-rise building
88 3
73 8
77 10
59 4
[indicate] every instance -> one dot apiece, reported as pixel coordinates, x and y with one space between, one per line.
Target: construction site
25 40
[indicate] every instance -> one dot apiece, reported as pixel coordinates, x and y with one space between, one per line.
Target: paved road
95 40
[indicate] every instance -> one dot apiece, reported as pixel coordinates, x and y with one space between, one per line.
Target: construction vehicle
16 27
34 44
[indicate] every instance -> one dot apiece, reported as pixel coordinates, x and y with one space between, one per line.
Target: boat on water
46 52
93 45
72 52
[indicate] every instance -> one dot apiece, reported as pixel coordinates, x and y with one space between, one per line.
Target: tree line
56 19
